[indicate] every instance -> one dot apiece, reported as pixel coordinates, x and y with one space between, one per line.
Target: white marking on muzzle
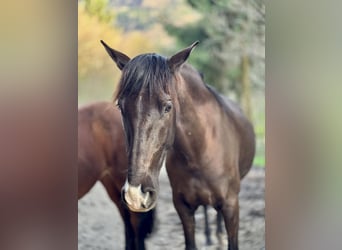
136 200
125 187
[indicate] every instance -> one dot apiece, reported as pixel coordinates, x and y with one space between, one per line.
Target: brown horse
102 157
170 113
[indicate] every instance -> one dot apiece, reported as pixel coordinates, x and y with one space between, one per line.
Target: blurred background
231 53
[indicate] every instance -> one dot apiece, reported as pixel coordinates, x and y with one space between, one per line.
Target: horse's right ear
119 58
177 60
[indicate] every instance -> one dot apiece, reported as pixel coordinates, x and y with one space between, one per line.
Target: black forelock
146 72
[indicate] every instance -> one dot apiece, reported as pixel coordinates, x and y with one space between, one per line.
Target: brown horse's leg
206 226
186 214
115 196
230 211
130 238
219 229
135 222
87 177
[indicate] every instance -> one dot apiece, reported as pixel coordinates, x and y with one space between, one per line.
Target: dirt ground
100 226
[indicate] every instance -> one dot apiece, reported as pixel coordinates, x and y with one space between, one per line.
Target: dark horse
102 156
170 113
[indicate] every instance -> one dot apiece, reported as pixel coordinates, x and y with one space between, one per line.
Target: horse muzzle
137 199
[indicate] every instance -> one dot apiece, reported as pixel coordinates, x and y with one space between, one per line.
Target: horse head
146 98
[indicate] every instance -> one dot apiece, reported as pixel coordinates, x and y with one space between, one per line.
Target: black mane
147 72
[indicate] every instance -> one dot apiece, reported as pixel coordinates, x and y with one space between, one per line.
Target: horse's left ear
179 58
119 58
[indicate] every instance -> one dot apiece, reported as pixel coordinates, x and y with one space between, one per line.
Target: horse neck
194 104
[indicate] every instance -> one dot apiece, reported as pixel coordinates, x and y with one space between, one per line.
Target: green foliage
97 73
227 30
202 59
135 19
99 8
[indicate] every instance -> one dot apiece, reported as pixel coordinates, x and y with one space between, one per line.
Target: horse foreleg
130 236
140 243
230 211
207 227
115 195
187 217
219 229
138 226
130 241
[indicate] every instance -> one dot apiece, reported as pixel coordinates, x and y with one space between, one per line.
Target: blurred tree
96 22
91 28
99 8
232 52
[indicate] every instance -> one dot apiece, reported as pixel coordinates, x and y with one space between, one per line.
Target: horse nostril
149 191
152 194
149 199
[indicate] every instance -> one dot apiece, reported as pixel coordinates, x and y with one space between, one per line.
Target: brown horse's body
102 156
209 145
213 149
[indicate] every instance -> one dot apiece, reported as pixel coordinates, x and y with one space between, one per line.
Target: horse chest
197 191
192 180
193 188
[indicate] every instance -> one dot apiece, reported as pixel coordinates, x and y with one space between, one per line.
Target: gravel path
100 226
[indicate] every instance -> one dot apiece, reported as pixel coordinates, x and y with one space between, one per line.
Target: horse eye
167 108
